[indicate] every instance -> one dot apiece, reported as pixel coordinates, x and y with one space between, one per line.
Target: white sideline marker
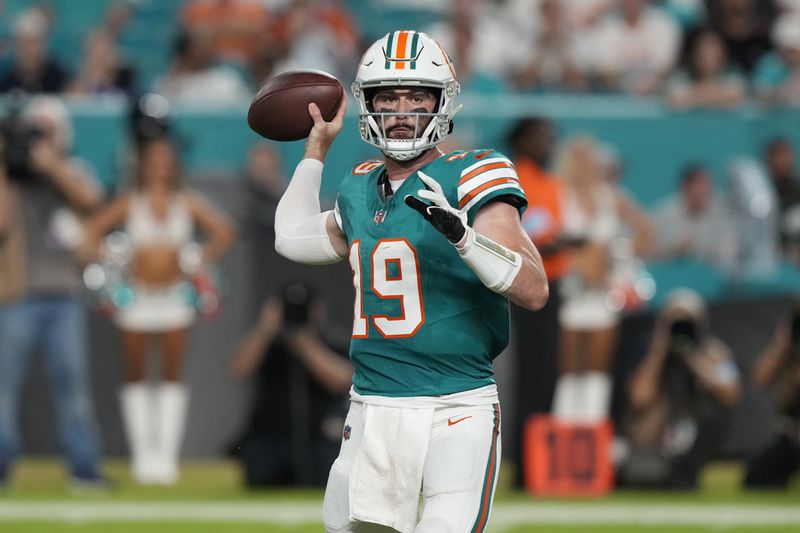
503 514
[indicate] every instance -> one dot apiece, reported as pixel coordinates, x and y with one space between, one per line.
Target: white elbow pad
306 242
494 264
300 228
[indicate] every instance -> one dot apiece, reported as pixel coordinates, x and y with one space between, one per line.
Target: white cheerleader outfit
589 307
158 308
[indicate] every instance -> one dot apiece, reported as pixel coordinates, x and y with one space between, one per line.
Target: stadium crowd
595 238
694 53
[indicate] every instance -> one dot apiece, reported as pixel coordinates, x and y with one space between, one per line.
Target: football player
436 247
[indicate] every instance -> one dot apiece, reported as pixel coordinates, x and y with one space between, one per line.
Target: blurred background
678 119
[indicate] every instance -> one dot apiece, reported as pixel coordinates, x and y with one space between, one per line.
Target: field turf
209 499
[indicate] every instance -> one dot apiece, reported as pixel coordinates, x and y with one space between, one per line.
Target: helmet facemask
372 124
406 60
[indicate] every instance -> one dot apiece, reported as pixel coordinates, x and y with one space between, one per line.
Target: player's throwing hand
323 133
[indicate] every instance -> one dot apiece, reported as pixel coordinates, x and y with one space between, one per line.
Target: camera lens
683 335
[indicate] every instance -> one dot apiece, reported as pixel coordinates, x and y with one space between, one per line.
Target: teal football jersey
424 324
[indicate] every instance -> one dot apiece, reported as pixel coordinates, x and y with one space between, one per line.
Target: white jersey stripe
508 185
473 183
482 162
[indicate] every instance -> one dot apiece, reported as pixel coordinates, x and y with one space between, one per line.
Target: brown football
280 109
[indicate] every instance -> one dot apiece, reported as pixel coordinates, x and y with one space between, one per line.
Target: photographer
680 398
42 189
778 369
301 377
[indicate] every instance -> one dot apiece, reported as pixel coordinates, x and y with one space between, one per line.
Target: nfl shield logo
346 433
379 216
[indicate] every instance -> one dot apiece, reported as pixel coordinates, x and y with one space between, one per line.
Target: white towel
386 477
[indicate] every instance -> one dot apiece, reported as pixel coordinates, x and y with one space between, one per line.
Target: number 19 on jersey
393 274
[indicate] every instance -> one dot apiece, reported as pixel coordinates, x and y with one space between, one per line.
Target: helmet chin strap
403 156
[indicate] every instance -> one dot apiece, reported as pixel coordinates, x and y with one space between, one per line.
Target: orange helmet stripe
402 41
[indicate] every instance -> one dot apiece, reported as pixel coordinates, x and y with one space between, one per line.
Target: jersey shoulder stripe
485 189
484 168
485 177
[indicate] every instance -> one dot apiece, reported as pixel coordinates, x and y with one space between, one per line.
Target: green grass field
209 499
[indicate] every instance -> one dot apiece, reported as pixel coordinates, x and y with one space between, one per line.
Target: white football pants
459 475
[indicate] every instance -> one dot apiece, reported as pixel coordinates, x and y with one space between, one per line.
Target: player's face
698 191
401 101
158 164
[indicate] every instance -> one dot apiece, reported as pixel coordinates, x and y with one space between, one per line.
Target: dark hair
525 126
181 43
691 171
147 143
774 143
691 45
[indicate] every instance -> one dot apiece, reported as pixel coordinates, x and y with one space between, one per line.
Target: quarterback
436 247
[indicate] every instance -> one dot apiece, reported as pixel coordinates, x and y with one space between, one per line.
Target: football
280 109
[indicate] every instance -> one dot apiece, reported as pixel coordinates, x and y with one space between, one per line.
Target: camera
18 138
684 336
296 302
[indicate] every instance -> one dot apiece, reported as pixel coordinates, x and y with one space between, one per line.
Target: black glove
450 222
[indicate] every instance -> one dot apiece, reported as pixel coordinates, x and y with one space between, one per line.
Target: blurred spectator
42 189
694 222
680 398
102 70
777 76
524 15
301 375
237 26
788 5
780 160
635 49
476 40
159 218
744 28
708 80
688 13
754 212
778 370
593 214
532 141
264 182
32 69
553 63
117 17
318 34
195 78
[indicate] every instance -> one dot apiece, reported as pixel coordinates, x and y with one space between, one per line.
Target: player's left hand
451 222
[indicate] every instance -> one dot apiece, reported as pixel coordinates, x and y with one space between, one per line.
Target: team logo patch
346 432
380 215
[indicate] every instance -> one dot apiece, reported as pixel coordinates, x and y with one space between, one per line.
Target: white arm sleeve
494 264
300 232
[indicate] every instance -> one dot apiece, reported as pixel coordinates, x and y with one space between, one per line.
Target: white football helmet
406 58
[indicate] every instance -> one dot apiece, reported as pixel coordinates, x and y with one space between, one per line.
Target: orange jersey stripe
402 40
488 485
480 170
464 201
